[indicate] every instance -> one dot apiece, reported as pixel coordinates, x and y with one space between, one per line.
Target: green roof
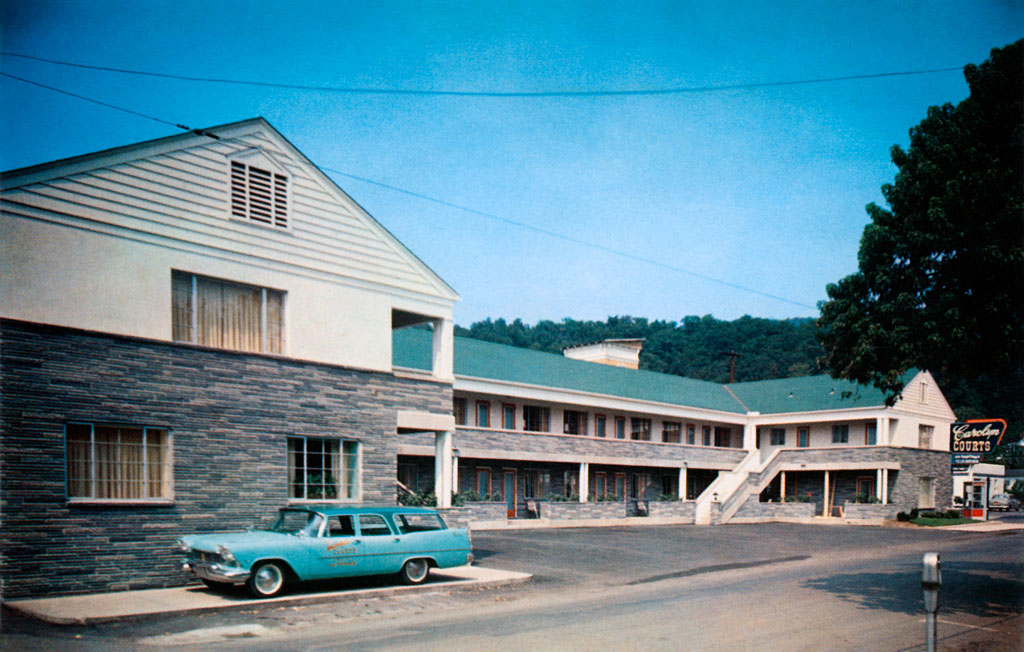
479 359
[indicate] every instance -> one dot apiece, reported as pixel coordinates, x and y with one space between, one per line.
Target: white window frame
357 482
194 313
166 480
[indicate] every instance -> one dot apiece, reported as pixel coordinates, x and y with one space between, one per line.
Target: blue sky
762 188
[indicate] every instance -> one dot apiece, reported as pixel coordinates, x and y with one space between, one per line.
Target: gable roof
224 133
500 362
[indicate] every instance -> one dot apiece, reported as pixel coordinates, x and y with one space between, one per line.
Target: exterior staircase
733 488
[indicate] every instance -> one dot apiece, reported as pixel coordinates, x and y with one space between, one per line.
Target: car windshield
297 522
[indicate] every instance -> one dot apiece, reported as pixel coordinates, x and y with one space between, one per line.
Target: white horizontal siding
182 196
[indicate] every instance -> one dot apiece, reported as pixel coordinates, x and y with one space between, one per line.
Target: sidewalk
125 605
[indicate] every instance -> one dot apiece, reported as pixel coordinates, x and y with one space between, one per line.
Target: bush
606 498
866 499
561 498
914 514
664 498
903 517
953 513
418 499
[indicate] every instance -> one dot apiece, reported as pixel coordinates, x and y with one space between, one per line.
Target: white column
878 484
443 468
782 485
824 501
879 425
682 483
885 486
884 436
443 358
584 481
455 473
750 437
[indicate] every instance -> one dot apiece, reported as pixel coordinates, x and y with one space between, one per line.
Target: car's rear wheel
266 580
415 571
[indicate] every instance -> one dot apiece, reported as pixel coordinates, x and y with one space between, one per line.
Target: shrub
914 513
561 498
664 498
418 499
953 513
903 517
606 498
866 499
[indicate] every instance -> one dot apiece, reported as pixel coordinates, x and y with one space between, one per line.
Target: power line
530 227
494 94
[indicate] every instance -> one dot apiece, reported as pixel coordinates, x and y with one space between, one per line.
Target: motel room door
508 491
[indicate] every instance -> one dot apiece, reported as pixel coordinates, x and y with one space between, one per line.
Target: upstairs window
459 410
600 422
778 436
259 195
640 429
924 436
536 418
483 414
226 315
671 432
574 422
691 431
841 434
117 463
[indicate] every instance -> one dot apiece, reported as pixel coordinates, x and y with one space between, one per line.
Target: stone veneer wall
754 508
575 511
228 415
672 508
869 510
474 512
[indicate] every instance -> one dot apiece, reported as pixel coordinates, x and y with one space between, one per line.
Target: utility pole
732 363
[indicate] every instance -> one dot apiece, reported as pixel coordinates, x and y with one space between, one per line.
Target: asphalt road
743 587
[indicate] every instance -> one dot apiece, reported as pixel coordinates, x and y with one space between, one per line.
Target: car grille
205 557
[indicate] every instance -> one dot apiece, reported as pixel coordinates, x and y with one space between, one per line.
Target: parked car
1003 502
308 543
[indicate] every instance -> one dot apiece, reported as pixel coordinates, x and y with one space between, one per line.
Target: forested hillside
694 347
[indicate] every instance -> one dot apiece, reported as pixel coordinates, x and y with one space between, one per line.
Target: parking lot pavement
123 605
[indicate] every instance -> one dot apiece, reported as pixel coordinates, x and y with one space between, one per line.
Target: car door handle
397 539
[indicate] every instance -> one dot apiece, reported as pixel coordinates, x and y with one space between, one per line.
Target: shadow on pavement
981 589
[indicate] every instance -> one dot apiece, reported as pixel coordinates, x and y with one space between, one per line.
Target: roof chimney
616 352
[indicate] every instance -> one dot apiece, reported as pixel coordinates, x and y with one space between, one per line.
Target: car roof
389 510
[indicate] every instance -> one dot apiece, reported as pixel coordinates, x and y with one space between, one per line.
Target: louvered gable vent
259 195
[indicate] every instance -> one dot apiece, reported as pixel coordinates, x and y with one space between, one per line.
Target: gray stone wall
671 508
576 511
473 512
229 415
753 508
869 511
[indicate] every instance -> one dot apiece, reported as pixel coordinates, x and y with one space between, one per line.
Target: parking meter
931 582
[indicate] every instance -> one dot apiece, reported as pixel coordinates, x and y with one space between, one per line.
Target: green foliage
664 498
418 499
770 348
940 284
458 500
939 521
1017 490
562 498
866 499
903 517
806 498
606 498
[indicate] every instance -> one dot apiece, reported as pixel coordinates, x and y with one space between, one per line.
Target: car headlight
225 554
184 547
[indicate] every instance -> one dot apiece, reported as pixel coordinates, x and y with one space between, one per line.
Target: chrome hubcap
417 569
268 579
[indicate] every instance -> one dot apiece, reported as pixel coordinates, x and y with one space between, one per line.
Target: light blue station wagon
311 543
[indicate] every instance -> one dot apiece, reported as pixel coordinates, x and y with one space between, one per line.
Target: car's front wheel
415 571
266 580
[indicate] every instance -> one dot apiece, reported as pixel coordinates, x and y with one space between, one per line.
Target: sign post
931 582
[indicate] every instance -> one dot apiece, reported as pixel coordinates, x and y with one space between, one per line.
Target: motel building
200 329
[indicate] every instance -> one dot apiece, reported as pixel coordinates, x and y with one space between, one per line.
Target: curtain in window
79 447
228 315
156 462
275 321
181 307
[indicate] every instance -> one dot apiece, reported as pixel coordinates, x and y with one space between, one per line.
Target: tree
940 284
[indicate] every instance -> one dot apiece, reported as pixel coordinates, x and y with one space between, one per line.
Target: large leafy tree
940 284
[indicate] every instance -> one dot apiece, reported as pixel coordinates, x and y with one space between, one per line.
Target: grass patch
939 522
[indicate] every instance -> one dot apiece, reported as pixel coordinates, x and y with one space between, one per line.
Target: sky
730 202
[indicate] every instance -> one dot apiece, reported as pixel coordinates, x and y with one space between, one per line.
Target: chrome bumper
215 572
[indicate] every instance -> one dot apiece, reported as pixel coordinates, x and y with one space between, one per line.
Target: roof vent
615 352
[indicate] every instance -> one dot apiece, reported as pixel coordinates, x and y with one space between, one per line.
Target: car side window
371 525
340 526
418 523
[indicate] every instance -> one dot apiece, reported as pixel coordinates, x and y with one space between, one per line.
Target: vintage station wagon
310 543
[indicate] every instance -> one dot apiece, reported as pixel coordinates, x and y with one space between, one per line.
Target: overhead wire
530 227
492 94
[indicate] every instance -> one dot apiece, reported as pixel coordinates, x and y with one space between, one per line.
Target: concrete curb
129 605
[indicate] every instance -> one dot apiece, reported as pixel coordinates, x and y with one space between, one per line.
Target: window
340 526
870 434
640 429
418 523
483 481
778 436
508 416
226 315
536 419
259 195
803 436
620 427
599 425
459 410
706 435
924 436
670 485
841 434
671 432
372 525
322 469
574 423
620 486
117 462
866 486
722 436
570 483
691 431
600 484
537 483
483 414
926 493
